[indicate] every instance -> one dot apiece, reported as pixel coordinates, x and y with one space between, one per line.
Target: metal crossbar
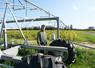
39 19
47 48
29 20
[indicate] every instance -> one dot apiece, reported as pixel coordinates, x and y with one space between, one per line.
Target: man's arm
38 40
45 38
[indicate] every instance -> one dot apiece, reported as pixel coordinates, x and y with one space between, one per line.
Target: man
41 36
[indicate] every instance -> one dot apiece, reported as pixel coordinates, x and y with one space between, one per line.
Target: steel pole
1 32
5 35
4 27
58 29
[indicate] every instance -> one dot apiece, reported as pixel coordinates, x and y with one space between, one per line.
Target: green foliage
85 59
26 51
73 35
79 36
8 63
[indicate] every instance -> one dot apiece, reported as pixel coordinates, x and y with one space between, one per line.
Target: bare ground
85 45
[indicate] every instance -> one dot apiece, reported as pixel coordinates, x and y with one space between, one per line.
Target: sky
79 13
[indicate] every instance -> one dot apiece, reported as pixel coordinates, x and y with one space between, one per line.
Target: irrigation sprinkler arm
1 32
4 26
23 7
37 7
43 10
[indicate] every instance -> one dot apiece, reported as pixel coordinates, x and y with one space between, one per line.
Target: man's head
43 27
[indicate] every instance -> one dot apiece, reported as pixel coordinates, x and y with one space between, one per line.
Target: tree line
38 28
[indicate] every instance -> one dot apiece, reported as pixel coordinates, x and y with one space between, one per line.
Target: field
72 35
85 57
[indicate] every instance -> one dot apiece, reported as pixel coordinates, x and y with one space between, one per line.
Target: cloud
75 7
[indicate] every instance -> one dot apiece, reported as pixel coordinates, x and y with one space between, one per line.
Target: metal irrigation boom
4 24
8 6
11 53
41 9
39 19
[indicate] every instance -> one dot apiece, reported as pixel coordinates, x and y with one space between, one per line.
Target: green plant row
73 35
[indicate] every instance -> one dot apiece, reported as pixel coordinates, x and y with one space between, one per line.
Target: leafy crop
72 35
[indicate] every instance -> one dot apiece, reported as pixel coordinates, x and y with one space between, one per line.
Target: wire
22 6
13 4
21 3
41 9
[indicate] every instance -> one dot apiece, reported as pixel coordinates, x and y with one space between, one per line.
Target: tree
71 26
